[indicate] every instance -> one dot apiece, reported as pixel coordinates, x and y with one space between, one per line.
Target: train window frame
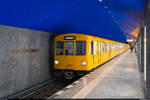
57 48
69 50
98 47
113 46
108 45
82 50
104 46
92 47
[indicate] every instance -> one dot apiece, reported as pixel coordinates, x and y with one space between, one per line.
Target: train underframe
69 74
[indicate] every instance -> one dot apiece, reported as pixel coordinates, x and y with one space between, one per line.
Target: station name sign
69 38
22 51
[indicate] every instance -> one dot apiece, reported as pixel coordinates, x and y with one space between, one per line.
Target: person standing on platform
135 48
131 48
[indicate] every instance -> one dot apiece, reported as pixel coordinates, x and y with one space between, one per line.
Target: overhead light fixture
100 0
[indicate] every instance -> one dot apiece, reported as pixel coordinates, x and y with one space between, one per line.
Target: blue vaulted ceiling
111 19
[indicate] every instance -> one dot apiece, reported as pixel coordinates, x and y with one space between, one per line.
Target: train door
109 50
106 51
95 53
102 52
69 53
92 53
98 51
119 49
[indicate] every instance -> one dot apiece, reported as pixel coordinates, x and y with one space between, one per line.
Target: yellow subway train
77 54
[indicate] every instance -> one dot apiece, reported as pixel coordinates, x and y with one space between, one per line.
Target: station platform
118 78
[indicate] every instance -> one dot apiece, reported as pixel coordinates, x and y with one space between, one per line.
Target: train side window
69 45
118 46
92 49
98 47
104 47
59 48
107 46
80 48
113 46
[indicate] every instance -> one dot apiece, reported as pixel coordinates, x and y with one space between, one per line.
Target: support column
142 50
147 67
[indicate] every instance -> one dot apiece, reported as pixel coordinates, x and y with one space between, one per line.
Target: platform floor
119 78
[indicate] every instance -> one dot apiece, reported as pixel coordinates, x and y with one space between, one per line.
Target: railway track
52 89
42 90
48 90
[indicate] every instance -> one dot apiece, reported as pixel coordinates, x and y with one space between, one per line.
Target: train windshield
59 48
80 48
69 45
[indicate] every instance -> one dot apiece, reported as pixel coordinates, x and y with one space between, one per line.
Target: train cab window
80 48
69 45
59 48
92 49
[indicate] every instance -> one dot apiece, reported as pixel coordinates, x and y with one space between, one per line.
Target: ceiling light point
105 7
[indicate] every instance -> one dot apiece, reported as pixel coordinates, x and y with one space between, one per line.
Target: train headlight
56 62
83 63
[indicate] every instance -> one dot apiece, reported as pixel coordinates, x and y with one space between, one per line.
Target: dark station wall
25 57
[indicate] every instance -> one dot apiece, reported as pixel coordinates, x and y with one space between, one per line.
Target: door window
92 49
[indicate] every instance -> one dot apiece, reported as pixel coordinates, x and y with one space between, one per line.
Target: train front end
70 57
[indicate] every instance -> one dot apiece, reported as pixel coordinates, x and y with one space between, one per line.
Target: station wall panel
24 58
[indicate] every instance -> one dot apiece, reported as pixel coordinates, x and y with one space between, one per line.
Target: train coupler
68 74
